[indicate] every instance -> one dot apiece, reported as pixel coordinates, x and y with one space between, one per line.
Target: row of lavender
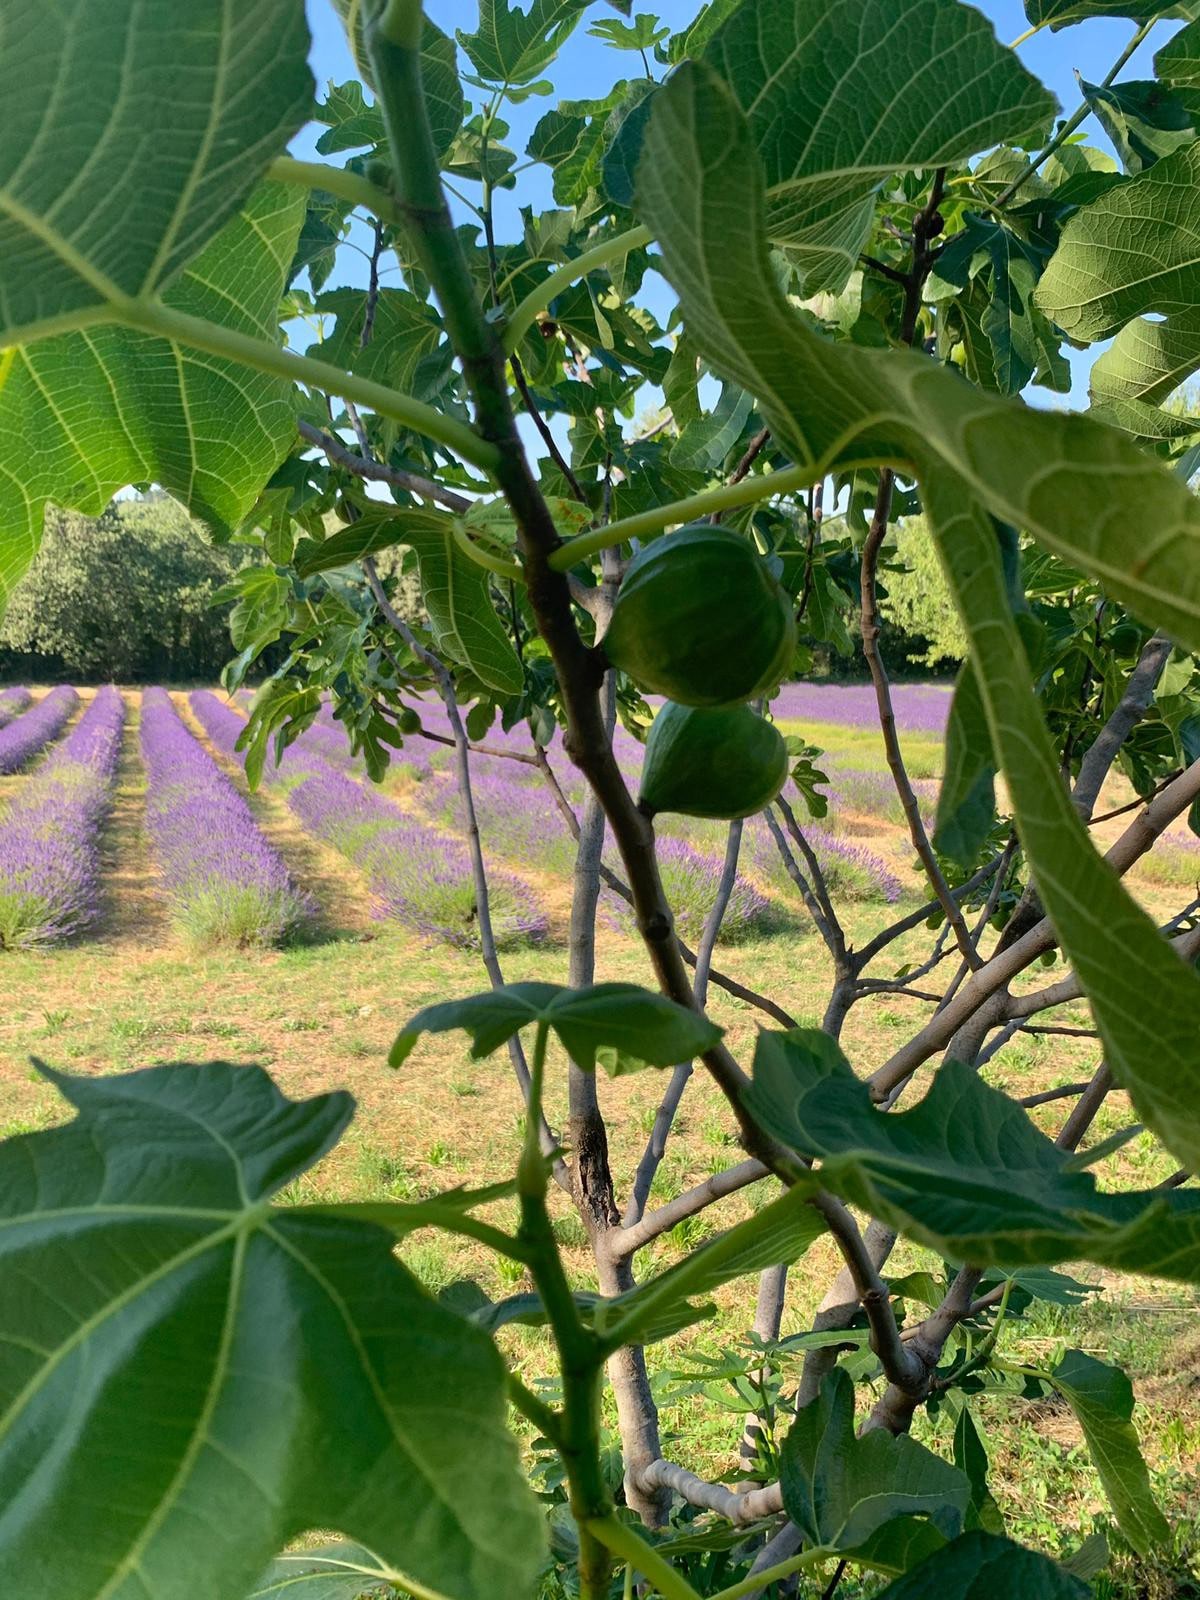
50 834
416 874
224 881
23 737
12 702
521 821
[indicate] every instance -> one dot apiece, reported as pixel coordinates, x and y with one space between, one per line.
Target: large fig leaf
966 1171
841 1490
191 1376
1087 499
835 110
103 200
84 413
1129 254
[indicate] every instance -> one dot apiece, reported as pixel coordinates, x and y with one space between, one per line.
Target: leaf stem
1024 38
484 558
569 272
151 316
625 1541
761 486
1069 126
757 1581
347 185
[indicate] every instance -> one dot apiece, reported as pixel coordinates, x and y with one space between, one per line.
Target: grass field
322 1011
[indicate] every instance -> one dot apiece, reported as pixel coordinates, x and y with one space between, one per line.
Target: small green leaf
444 103
1101 1397
619 1025
275 1358
840 1490
978 1566
970 1456
454 588
514 47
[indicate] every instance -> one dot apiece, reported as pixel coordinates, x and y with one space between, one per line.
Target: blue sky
587 67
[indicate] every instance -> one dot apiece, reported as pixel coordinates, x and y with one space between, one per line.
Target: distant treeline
124 597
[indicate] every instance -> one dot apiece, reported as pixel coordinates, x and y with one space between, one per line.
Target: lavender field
402 847
220 867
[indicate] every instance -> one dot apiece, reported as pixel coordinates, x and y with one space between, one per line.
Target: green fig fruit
728 762
700 619
408 721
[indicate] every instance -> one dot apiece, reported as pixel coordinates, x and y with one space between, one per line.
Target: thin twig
378 472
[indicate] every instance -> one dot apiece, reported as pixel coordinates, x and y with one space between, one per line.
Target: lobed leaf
841 1490
966 1171
85 228
284 1370
834 111
515 47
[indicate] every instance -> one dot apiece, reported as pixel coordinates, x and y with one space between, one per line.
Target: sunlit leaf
834 110
515 46
193 1376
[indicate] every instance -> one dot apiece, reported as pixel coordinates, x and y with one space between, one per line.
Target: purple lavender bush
691 878
517 820
850 871
21 740
12 702
416 874
49 837
225 882
868 792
